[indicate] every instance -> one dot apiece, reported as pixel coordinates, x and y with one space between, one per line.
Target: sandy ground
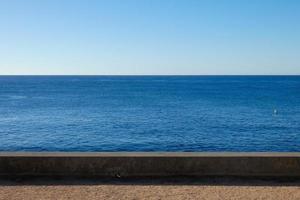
149 189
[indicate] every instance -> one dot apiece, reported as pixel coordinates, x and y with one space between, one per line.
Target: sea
150 113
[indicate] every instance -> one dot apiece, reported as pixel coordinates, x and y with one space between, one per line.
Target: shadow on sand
209 181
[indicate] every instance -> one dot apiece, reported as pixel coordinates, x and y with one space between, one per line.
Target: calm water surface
150 113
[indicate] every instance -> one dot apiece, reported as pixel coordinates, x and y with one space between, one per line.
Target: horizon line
149 74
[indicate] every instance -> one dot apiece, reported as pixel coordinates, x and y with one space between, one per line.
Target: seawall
129 164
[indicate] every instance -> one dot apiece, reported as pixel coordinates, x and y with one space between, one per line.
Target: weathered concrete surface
150 164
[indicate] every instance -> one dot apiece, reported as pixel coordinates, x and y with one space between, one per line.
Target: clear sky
195 37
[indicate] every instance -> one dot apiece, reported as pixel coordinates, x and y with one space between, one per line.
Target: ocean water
150 113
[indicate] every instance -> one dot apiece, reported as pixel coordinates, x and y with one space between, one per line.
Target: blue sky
150 37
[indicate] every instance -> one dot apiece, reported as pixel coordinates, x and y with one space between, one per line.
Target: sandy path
90 190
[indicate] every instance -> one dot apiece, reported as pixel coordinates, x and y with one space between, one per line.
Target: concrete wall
150 164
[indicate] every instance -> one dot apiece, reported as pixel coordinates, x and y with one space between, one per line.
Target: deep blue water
149 113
